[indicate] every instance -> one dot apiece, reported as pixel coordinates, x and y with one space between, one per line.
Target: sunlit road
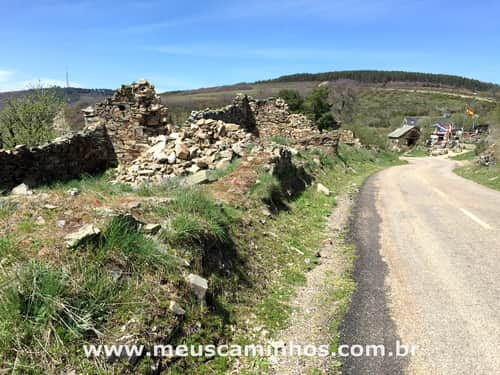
428 272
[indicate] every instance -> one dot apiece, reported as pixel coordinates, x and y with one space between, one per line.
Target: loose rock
85 234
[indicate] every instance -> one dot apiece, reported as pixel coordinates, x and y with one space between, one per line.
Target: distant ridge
383 76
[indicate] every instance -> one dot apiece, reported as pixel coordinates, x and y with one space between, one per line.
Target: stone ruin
131 130
131 116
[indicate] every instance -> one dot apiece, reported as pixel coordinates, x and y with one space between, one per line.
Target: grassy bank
118 288
487 176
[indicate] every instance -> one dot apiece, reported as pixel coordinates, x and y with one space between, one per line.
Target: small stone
61 223
222 164
40 220
198 178
323 189
202 163
73 192
50 207
176 308
104 211
22 189
182 151
116 274
237 149
171 158
266 212
85 234
198 285
134 205
152 228
160 157
193 169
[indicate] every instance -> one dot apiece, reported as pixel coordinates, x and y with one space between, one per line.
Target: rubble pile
487 157
132 115
347 137
273 119
201 145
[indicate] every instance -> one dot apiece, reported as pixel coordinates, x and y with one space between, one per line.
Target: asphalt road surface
428 272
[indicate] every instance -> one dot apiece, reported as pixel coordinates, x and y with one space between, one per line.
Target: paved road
428 272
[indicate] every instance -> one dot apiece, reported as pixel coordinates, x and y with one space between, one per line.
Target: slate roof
399 132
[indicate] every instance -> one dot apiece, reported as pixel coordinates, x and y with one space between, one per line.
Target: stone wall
132 115
268 119
239 112
67 157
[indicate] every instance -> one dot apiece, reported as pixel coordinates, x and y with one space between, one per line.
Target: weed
280 140
194 218
122 242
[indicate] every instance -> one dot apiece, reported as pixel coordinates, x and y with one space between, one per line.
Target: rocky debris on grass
439 152
73 192
487 157
198 285
323 189
176 308
85 234
198 178
104 212
22 189
151 229
199 146
347 137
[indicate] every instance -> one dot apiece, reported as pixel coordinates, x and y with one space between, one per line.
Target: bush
316 103
29 120
293 98
326 121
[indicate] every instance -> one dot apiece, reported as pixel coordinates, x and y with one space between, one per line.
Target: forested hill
381 77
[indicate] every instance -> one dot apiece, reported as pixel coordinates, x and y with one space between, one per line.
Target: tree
293 98
316 103
327 121
29 120
317 108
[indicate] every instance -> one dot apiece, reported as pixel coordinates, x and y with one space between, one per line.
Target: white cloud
9 81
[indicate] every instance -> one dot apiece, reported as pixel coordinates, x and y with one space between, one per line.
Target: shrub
316 103
326 121
293 98
29 120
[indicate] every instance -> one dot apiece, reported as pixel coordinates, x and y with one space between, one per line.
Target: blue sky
188 44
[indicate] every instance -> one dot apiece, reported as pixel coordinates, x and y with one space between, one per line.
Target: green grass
194 218
266 188
87 183
487 176
417 152
469 155
41 314
7 208
280 140
8 246
123 242
219 173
